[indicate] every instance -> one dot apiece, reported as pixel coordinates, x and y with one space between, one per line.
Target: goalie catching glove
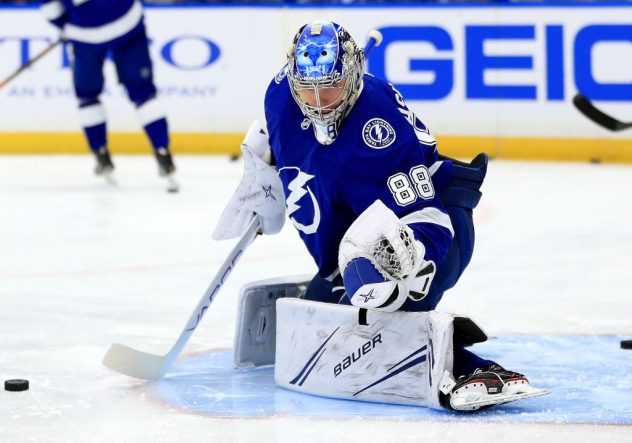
260 191
381 262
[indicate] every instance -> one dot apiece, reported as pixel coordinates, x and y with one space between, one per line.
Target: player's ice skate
104 167
166 169
489 386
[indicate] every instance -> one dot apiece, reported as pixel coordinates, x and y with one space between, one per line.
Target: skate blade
496 399
109 178
172 184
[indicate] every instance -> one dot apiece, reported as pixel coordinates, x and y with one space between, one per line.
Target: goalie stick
29 63
139 364
602 119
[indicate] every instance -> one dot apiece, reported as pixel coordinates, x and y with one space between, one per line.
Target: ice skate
104 167
166 169
489 386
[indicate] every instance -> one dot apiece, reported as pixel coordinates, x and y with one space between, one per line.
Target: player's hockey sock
157 132
92 117
96 136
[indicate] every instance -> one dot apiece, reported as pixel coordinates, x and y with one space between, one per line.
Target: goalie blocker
345 351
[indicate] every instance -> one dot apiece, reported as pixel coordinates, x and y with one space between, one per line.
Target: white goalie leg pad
351 353
255 333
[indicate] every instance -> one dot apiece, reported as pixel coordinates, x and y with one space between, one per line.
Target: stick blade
588 109
134 363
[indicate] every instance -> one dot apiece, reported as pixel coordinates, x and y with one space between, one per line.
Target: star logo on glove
268 192
368 296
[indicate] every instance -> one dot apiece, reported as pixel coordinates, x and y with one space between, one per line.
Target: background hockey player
387 220
96 29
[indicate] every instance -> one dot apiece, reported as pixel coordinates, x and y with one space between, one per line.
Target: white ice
84 265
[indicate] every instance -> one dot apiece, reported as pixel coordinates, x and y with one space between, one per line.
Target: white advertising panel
467 71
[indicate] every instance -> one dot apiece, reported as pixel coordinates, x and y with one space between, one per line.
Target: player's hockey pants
133 68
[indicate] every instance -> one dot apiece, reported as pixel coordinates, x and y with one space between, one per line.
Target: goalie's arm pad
381 261
259 192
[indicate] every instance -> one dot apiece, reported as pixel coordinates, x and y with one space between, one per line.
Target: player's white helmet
325 68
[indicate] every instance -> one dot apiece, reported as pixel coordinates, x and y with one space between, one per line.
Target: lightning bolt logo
378 133
298 188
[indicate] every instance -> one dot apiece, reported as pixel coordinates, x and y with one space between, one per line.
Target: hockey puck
234 157
16 385
626 344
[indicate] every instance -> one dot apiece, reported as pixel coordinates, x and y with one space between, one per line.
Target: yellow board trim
605 150
118 143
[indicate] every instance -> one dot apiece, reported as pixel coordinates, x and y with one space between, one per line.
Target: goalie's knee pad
255 333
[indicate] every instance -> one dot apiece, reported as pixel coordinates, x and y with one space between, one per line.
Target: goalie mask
325 68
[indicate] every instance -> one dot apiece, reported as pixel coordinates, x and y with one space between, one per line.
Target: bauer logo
378 133
357 354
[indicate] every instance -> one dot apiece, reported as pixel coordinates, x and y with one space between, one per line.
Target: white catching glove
259 192
381 262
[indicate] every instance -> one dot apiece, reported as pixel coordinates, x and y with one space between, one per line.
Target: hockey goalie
388 222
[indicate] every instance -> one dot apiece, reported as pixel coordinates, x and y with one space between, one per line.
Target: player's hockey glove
259 192
381 262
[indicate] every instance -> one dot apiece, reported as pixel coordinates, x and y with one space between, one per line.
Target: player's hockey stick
128 361
28 64
589 110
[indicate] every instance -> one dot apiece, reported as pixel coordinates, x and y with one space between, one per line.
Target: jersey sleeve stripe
429 215
435 166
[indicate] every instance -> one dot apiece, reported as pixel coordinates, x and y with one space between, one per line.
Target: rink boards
573 368
498 79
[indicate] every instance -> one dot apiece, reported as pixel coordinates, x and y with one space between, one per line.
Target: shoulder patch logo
378 133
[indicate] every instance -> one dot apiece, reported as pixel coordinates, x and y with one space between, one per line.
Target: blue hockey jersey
95 21
383 151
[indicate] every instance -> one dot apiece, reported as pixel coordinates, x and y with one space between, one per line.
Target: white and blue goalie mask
325 68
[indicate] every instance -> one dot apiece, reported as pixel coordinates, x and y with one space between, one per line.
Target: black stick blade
589 110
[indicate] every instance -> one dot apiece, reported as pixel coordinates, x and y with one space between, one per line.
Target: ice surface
84 265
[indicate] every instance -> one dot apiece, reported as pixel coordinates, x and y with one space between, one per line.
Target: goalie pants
459 197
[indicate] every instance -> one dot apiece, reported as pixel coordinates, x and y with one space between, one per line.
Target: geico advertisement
482 71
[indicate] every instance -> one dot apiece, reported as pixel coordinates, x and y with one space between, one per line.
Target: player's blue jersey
95 21
382 152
